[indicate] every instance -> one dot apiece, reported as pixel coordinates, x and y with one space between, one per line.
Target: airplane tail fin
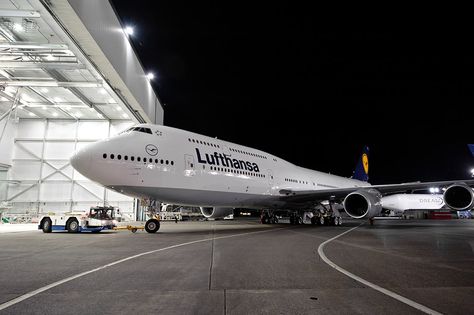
362 168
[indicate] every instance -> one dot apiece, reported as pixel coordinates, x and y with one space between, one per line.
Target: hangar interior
68 77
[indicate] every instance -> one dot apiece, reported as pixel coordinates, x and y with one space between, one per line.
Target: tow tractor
98 219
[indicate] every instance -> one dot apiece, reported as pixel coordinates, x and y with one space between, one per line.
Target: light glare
150 76
18 27
129 30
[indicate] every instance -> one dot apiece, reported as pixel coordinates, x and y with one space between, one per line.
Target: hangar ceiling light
129 30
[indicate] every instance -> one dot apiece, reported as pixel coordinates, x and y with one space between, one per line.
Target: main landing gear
326 220
267 217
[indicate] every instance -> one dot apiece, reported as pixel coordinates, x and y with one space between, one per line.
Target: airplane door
270 177
225 150
189 163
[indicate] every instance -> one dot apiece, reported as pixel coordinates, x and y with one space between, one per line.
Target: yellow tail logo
365 163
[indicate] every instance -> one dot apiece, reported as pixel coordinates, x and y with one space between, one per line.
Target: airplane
175 166
399 203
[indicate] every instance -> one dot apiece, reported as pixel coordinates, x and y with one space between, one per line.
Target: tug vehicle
98 219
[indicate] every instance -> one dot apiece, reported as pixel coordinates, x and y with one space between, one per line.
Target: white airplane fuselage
180 167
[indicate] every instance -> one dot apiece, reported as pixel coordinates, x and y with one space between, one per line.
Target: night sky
271 78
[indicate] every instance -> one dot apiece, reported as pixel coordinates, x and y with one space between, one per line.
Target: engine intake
363 204
459 197
216 212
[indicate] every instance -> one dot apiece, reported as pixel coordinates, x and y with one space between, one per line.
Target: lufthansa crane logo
151 149
365 163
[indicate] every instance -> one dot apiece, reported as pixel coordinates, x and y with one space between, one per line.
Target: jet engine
459 197
363 204
216 212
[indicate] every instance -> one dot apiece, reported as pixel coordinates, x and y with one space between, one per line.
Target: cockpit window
142 129
126 131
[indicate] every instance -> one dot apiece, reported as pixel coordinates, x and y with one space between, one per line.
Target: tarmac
243 267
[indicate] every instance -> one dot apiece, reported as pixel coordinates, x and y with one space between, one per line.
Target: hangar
69 76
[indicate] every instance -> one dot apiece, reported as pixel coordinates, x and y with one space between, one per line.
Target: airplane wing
302 196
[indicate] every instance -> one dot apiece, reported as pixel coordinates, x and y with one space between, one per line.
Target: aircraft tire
152 226
322 221
47 226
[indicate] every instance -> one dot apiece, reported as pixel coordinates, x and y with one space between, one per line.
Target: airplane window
104 156
119 157
192 165
156 161
127 130
193 140
161 161
167 162
144 160
126 157
112 156
132 158
218 146
204 167
172 163
142 129
138 159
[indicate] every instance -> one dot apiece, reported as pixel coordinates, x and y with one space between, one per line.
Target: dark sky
271 78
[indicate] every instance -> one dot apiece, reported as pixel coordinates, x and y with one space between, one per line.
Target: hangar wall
40 178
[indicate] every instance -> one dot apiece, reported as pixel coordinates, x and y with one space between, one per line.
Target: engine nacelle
363 204
459 197
216 212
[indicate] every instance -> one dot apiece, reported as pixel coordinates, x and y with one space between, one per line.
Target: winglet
362 168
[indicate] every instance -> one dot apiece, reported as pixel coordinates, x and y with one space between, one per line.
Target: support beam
19 13
40 65
26 45
59 77
79 84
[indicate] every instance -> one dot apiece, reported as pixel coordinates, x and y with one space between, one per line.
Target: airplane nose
81 161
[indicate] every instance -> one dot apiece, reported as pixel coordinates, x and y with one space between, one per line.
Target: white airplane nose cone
81 161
